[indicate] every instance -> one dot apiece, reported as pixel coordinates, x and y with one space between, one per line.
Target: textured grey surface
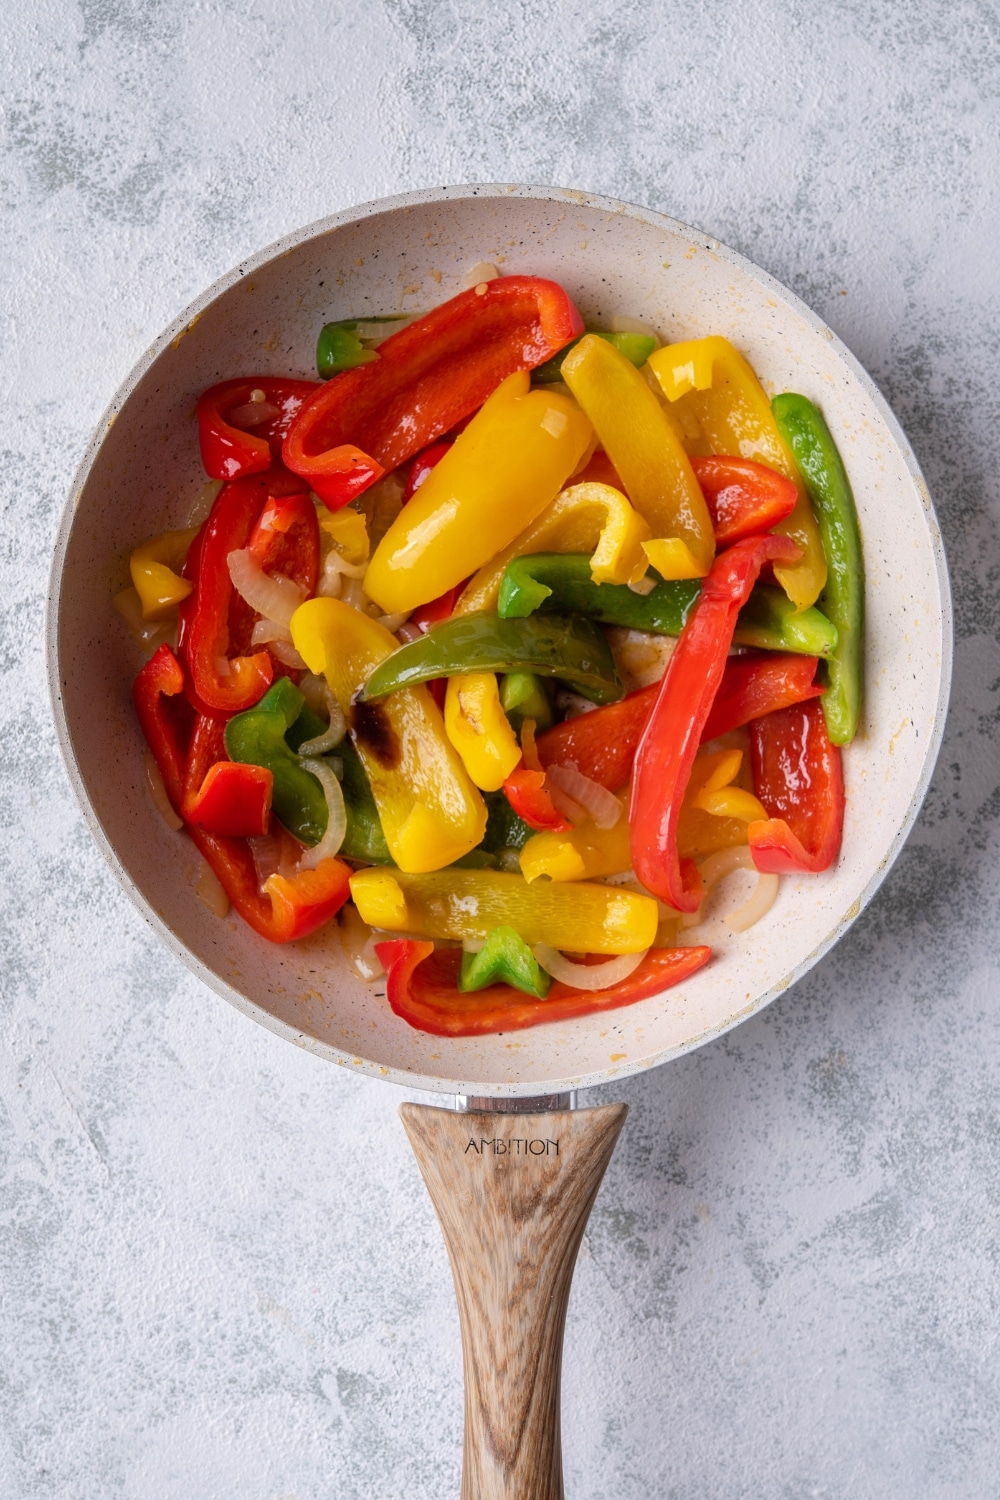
219 1275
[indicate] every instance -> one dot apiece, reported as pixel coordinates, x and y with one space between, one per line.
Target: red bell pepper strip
797 775
233 452
286 540
233 799
602 743
213 620
288 908
757 684
525 791
165 718
421 467
675 725
422 988
428 376
743 497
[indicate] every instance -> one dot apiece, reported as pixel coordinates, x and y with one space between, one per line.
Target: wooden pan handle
513 1194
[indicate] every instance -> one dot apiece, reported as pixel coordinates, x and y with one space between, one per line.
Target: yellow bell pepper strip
566 646
581 918
636 347
348 532
431 813
499 474
644 447
479 729
504 958
155 569
585 852
716 811
592 518
715 382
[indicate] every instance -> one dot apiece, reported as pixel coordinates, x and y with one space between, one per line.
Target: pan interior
143 471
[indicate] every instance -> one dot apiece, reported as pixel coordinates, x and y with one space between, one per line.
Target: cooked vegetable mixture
511 637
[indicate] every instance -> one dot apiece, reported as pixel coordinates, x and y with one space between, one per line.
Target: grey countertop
219 1273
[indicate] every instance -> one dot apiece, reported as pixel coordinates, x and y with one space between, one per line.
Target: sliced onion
716 868
314 690
252 414
272 595
587 976
392 623
287 655
375 333
483 270
758 904
408 633
353 594
602 806
334 732
204 500
149 634
336 815
266 851
562 802
266 631
210 890
643 586
358 942
158 792
622 324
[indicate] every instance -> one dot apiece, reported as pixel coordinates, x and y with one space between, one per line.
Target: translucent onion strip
158 792
603 806
273 596
590 977
335 731
358 941
266 631
209 890
336 821
287 655
716 868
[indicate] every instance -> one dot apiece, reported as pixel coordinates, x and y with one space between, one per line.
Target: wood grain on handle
513 1194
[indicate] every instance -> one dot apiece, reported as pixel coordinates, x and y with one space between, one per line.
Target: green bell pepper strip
504 829
804 429
269 734
569 647
561 581
523 696
341 346
504 958
636 347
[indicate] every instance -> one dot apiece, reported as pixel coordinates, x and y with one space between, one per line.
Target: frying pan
512 1177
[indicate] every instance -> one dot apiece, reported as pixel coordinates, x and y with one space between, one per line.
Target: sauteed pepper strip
470 903
427 378
602 744
717 386
744 498
798 777
289 908
422 988
561 581
804 428
673 731
233 452
214 613
569 647
645 449
504 958
431 812
498 475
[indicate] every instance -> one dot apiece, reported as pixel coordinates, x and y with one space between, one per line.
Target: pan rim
176 330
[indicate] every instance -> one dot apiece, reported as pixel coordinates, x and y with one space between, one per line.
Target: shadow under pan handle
513 1194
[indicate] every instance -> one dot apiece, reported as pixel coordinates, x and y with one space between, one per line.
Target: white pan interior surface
142 471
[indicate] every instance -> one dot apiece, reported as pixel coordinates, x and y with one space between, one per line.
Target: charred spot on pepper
371 728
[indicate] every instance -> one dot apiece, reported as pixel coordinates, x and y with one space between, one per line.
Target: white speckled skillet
512 1194
407 253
